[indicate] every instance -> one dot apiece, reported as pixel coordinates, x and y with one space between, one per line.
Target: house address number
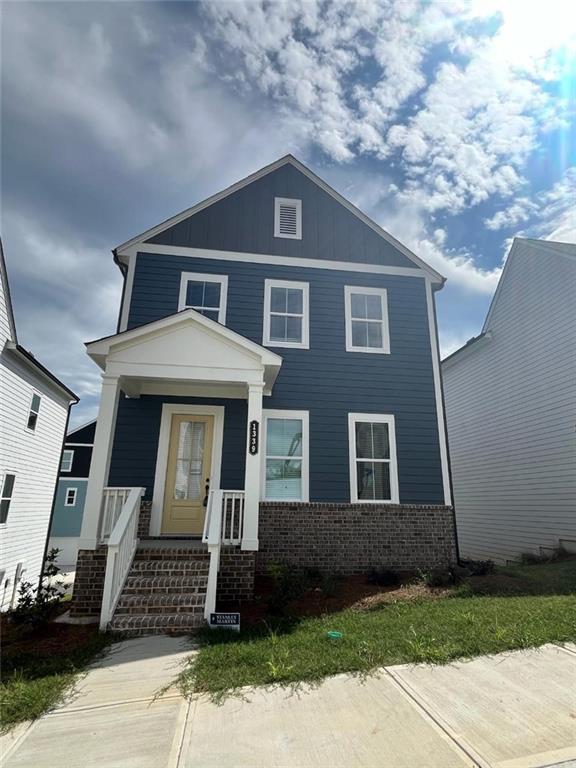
254 434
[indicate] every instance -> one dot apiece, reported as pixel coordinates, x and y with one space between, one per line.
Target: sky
451 124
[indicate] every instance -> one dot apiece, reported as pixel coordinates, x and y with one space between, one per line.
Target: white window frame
382 292
67 453
7 498
269 413
185 277
32 411
72 503
278 201
305 288
374 418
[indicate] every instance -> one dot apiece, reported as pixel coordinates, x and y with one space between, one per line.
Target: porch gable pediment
186 346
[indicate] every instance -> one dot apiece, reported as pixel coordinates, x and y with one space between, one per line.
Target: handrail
121 548
113 500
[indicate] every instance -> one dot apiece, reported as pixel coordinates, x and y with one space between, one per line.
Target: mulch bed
354 592
18 640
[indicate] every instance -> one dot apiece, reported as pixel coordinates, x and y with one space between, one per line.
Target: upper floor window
373 468
285 469
6 498
286 308
33 413
67 459
288 218
366 320
204 293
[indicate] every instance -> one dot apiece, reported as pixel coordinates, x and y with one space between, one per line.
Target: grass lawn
38 668
517 607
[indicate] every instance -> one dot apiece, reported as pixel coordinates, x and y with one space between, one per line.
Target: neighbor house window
6 498
288 218
286 308
366 320
204 293
71 497
285 469
67 459
33 414
373 468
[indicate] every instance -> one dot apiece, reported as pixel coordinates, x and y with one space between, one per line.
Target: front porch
184 364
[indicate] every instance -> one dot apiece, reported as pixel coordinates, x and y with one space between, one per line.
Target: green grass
538 606
35 682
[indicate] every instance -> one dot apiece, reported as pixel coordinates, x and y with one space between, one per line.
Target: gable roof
435 276
85 431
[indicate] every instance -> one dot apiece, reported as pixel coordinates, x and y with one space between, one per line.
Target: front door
187 474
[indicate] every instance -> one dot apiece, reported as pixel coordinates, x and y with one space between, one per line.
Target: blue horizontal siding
67 521
325 379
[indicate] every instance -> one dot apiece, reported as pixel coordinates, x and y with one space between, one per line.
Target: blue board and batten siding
325 379
67 520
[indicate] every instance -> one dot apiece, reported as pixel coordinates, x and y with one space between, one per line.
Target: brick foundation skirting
236 576
352 538
144 519
89 582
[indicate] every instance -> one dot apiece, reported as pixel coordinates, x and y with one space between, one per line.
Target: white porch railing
122 543
223 524
113 499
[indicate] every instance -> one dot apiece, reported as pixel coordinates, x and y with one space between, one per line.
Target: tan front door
187 474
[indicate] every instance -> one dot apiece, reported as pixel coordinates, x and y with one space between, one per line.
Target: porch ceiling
185 352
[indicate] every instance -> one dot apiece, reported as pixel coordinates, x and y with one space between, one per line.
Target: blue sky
452 124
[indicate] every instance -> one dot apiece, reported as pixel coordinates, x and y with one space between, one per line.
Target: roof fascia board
29 361
464 352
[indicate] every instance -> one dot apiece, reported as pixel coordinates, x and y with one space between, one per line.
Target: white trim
275 413
288 201
173 409
71 503
127 298
70 463
80 445
382 292
373 418
438 394
205 278
75 479
287 159
284 261
305 288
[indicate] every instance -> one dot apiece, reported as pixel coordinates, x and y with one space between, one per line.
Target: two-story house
272 395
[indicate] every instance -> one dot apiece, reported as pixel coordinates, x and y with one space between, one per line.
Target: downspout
70 404
448 458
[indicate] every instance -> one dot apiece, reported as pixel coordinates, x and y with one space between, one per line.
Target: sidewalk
515 710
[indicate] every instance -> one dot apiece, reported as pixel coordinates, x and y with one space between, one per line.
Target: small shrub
479 567
443 577
329 584
555 554
383 577
313 573
36 608
289 584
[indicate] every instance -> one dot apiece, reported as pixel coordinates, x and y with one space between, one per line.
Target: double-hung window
33 412
205 293
366 320
373 466
286 310
71 494
67 459
6 497
285 465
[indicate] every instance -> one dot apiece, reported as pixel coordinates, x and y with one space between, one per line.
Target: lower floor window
286 456
71 497
373 468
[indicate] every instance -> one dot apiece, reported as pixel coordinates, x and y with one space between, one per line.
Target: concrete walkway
515 710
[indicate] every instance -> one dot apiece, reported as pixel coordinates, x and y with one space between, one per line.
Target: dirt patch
18 640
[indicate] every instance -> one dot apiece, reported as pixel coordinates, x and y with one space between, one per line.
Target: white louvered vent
288 218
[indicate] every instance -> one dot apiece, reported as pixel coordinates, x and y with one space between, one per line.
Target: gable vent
288 218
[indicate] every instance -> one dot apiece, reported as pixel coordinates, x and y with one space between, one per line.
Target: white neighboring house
34 408
510 398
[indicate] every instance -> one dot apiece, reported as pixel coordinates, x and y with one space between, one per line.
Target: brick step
157 624
169 568
158 555
162 603
136 584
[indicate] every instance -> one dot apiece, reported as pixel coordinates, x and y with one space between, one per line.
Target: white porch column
252 476
100 465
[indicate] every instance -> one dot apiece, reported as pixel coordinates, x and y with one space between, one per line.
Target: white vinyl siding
285 459
206 294
373 466
288 218
511 413
366 319
286 314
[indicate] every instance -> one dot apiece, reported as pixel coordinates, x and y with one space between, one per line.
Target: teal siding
67 521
